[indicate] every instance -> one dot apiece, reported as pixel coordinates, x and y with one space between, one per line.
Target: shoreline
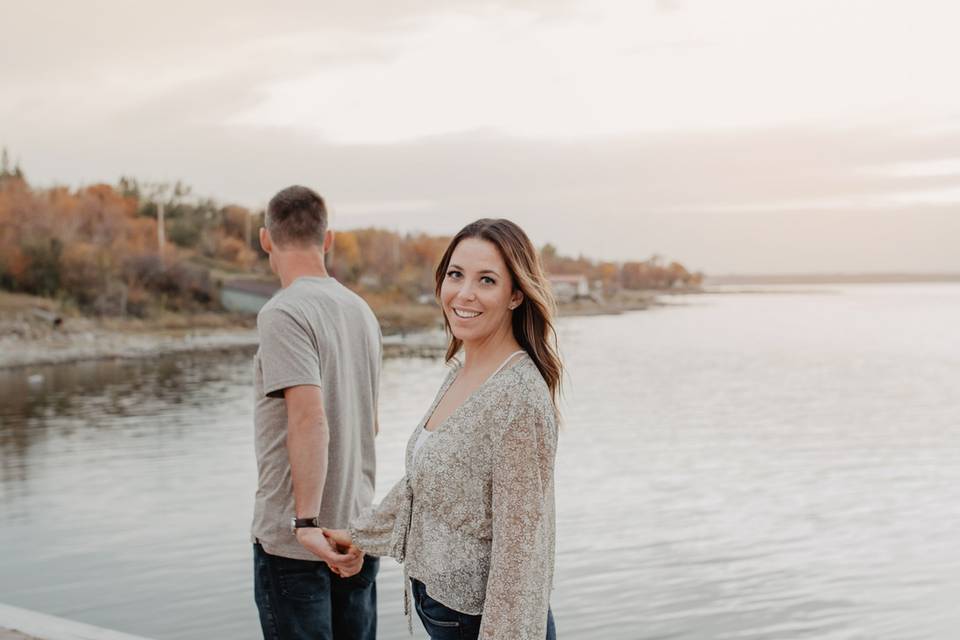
90 348
27 341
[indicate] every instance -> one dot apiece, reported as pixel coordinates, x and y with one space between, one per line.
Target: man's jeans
444 623
303 599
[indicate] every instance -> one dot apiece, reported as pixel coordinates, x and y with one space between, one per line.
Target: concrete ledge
47 627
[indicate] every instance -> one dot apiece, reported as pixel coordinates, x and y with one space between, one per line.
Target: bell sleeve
521 564
381 529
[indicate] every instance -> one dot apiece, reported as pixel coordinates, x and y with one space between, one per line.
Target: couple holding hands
472 520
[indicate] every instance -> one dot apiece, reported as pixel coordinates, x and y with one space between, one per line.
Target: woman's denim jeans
443 623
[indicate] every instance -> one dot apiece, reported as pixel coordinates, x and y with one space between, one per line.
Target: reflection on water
60 409
767 466
29 397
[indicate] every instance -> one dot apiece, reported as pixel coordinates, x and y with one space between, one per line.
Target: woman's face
477 293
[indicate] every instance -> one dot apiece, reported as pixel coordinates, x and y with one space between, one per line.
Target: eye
453 273
488 280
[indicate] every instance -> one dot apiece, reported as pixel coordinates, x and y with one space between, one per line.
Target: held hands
340 540
343 559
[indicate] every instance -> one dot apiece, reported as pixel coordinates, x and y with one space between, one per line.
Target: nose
466 292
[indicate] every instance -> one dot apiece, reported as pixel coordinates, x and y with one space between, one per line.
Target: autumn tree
98 246
346 263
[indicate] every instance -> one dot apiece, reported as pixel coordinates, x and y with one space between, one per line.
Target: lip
457 311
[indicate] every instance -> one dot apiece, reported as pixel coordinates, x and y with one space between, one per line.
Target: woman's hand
340 540
314 541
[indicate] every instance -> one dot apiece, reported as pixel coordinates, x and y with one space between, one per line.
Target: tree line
100 248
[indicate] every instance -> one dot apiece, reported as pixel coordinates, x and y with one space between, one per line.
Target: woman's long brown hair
533 320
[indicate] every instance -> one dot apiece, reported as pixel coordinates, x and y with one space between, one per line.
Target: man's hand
343 564
345 570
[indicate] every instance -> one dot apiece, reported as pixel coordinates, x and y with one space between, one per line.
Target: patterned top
474 517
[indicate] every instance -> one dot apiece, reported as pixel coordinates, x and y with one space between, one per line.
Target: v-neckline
449 382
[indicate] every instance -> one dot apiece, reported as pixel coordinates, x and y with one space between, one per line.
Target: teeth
466 314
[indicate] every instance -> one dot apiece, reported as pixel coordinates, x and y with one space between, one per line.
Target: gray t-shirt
315 332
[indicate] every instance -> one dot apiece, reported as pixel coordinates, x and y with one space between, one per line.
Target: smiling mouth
466 315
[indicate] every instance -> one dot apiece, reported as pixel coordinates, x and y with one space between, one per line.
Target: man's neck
300 264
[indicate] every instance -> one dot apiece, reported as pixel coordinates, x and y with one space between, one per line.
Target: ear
516 298
327 240
265 243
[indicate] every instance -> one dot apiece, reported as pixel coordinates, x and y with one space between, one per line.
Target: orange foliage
98 246
221 246
77 243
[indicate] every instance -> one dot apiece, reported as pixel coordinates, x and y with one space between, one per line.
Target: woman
473 520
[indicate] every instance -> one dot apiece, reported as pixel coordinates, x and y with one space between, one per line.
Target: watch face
293 524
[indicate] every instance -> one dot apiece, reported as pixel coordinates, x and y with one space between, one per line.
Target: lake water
748 466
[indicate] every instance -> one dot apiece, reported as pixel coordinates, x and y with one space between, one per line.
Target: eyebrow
458 267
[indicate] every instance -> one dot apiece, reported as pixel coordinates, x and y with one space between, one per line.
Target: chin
465 334
461 335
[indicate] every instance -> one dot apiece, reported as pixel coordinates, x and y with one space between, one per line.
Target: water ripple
744 468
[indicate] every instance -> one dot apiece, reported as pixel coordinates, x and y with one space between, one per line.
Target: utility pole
157 193
161 232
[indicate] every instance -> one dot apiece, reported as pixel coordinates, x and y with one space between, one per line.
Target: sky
736 136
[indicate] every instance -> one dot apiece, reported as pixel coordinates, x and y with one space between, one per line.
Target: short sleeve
289 354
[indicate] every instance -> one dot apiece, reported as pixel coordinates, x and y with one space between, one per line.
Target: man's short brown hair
297 216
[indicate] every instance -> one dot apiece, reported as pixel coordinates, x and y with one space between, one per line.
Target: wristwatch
304 523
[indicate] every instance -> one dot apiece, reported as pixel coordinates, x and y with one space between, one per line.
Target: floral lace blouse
473 519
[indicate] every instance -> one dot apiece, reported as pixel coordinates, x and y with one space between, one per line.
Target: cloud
376 72
744 201
54 38
668 6
618 129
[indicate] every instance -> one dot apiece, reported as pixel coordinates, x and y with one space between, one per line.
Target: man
316 376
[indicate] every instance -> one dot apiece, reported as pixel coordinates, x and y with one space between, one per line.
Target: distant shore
830 278
33 333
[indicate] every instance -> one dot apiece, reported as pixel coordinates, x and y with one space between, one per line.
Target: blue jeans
303 599
444 623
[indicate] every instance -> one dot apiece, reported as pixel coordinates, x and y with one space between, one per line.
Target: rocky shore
33 333
71 346
68 346
28 341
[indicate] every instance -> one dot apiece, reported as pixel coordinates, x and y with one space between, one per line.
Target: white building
567 288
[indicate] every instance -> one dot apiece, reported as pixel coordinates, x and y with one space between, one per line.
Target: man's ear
265 243
327 240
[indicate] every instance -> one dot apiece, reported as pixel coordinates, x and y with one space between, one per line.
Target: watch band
304 523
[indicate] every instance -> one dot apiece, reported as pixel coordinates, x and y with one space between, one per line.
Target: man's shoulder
279 305
323 291
348 293
356 301
294 300
309 305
